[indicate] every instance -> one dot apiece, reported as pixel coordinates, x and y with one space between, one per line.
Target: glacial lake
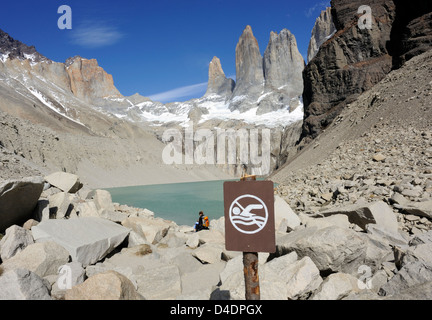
179 202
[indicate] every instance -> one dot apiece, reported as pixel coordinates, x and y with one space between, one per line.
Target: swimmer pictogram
248 214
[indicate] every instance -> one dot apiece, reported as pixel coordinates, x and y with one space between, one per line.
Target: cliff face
412 30
249 72
88 81
354 60
283 66
270 82
323 29
218 83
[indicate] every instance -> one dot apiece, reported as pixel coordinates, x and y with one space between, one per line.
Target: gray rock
44 258
193 241
66 182
364 213
422 209
15 240
321 223
394 238
70 275
18 199
60 205
296 280
102 199
87 240
162 283
87 209
22 284
198 284
336 287
419 292
421 238
109 285
332 249
421 252
208 253
282 211
411 275
322 30
153 230
218 83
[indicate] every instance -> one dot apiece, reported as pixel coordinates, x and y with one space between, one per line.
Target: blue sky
156 48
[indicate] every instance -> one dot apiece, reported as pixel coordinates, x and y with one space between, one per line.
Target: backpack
206 222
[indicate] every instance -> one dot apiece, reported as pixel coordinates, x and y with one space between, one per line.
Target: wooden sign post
249 225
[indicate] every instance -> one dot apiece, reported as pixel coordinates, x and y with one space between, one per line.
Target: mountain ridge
79 99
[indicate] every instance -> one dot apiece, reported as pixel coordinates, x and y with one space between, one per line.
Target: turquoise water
179 202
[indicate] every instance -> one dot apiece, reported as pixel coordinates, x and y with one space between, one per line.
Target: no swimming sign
249 216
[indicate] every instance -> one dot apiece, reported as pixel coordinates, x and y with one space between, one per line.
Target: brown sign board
249 216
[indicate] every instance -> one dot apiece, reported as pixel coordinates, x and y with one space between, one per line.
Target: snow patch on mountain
47 103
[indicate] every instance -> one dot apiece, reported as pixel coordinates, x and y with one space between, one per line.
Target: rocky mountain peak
283 63
14 49
88 81
248 59
323 29
218 83
249 69
283 66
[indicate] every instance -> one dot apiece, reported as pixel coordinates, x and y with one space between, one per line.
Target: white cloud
317 7
197 90
95 35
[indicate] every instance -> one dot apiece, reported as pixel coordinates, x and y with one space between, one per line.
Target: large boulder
198 284
422 209
153 230
60 205
18 199
336 287
299 279
363 214
321 223
44 258
415 264
22 284
208 253
109 285
280 279
411 275
102 199
332 249
87 240
283 211
66 182
161 283
15 240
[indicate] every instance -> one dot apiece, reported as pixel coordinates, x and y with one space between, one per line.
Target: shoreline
97 177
